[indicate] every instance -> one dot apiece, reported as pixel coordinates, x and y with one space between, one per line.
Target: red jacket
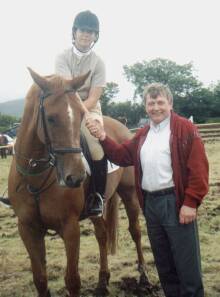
188 160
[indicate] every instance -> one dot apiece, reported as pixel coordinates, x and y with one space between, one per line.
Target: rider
77 60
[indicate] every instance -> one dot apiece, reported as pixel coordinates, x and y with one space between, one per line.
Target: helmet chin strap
89 49
86 52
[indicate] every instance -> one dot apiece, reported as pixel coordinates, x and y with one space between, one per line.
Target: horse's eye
51 120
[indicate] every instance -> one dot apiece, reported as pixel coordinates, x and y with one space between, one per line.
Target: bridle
45 163
52 152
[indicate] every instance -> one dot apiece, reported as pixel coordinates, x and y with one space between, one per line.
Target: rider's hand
95 128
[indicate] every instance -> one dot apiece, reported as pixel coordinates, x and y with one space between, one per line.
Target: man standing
171 171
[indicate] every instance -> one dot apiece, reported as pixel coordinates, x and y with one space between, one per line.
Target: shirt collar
79 53
161 125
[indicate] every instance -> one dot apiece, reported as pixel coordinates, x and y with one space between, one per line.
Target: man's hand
187 214
95 128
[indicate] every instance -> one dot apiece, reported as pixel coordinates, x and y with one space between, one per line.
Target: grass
16 276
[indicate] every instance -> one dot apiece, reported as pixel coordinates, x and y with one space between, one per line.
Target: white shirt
155 158
79 53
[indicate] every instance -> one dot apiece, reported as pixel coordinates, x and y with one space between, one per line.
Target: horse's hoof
101 292
47 294
145 288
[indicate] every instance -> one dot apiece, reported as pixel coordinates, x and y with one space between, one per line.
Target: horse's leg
33 238
101 234
130 200
2 154
104 274
71 237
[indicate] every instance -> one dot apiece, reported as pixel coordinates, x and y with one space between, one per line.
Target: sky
33 32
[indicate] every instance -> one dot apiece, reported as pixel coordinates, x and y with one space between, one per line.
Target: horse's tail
111 217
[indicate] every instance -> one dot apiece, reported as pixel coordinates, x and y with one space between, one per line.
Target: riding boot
98 184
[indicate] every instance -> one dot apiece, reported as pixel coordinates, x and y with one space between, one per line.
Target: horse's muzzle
70 171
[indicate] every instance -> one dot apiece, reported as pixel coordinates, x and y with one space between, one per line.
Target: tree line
191 97
7 121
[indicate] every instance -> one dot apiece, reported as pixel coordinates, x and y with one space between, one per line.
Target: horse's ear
42 82
78 81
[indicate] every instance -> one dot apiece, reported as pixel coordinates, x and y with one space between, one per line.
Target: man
78 60
171 171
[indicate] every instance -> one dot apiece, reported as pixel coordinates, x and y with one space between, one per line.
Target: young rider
77 60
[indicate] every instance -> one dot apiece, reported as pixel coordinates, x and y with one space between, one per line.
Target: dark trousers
175 248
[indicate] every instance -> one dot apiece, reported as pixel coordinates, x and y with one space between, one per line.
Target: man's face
84 39
158 109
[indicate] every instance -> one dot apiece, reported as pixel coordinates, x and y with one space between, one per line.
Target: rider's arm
94 96
97 85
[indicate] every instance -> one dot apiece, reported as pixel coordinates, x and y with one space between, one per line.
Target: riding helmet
86 20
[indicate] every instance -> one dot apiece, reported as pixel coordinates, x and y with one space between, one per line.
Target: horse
47 183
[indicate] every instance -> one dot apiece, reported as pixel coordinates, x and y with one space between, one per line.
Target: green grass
213 120
16 276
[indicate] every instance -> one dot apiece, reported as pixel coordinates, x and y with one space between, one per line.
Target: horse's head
59 118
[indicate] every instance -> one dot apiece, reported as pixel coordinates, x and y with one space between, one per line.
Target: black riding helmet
86 20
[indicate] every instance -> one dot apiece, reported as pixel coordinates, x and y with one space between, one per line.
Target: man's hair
157 89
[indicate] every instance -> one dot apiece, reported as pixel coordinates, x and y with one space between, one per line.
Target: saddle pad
111 166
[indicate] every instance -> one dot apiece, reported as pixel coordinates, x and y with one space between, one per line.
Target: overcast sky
33 32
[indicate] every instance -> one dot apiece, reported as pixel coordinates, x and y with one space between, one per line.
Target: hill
13 107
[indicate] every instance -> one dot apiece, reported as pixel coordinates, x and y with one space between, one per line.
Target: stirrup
95 196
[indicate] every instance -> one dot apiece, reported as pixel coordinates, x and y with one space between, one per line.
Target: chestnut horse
47 182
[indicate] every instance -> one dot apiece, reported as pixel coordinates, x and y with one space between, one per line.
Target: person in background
3 144
171 171
78 60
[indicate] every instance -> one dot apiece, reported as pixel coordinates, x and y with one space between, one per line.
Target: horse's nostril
73 182
70 181
77 184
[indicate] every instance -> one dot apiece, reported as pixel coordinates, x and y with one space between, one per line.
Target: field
16 277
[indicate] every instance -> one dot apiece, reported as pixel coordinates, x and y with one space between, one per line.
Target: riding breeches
95 147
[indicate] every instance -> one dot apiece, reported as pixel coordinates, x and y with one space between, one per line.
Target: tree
216 100
180 78
199 104
131 111
7 121
110 92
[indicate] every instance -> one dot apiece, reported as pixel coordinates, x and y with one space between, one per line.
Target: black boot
97 186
